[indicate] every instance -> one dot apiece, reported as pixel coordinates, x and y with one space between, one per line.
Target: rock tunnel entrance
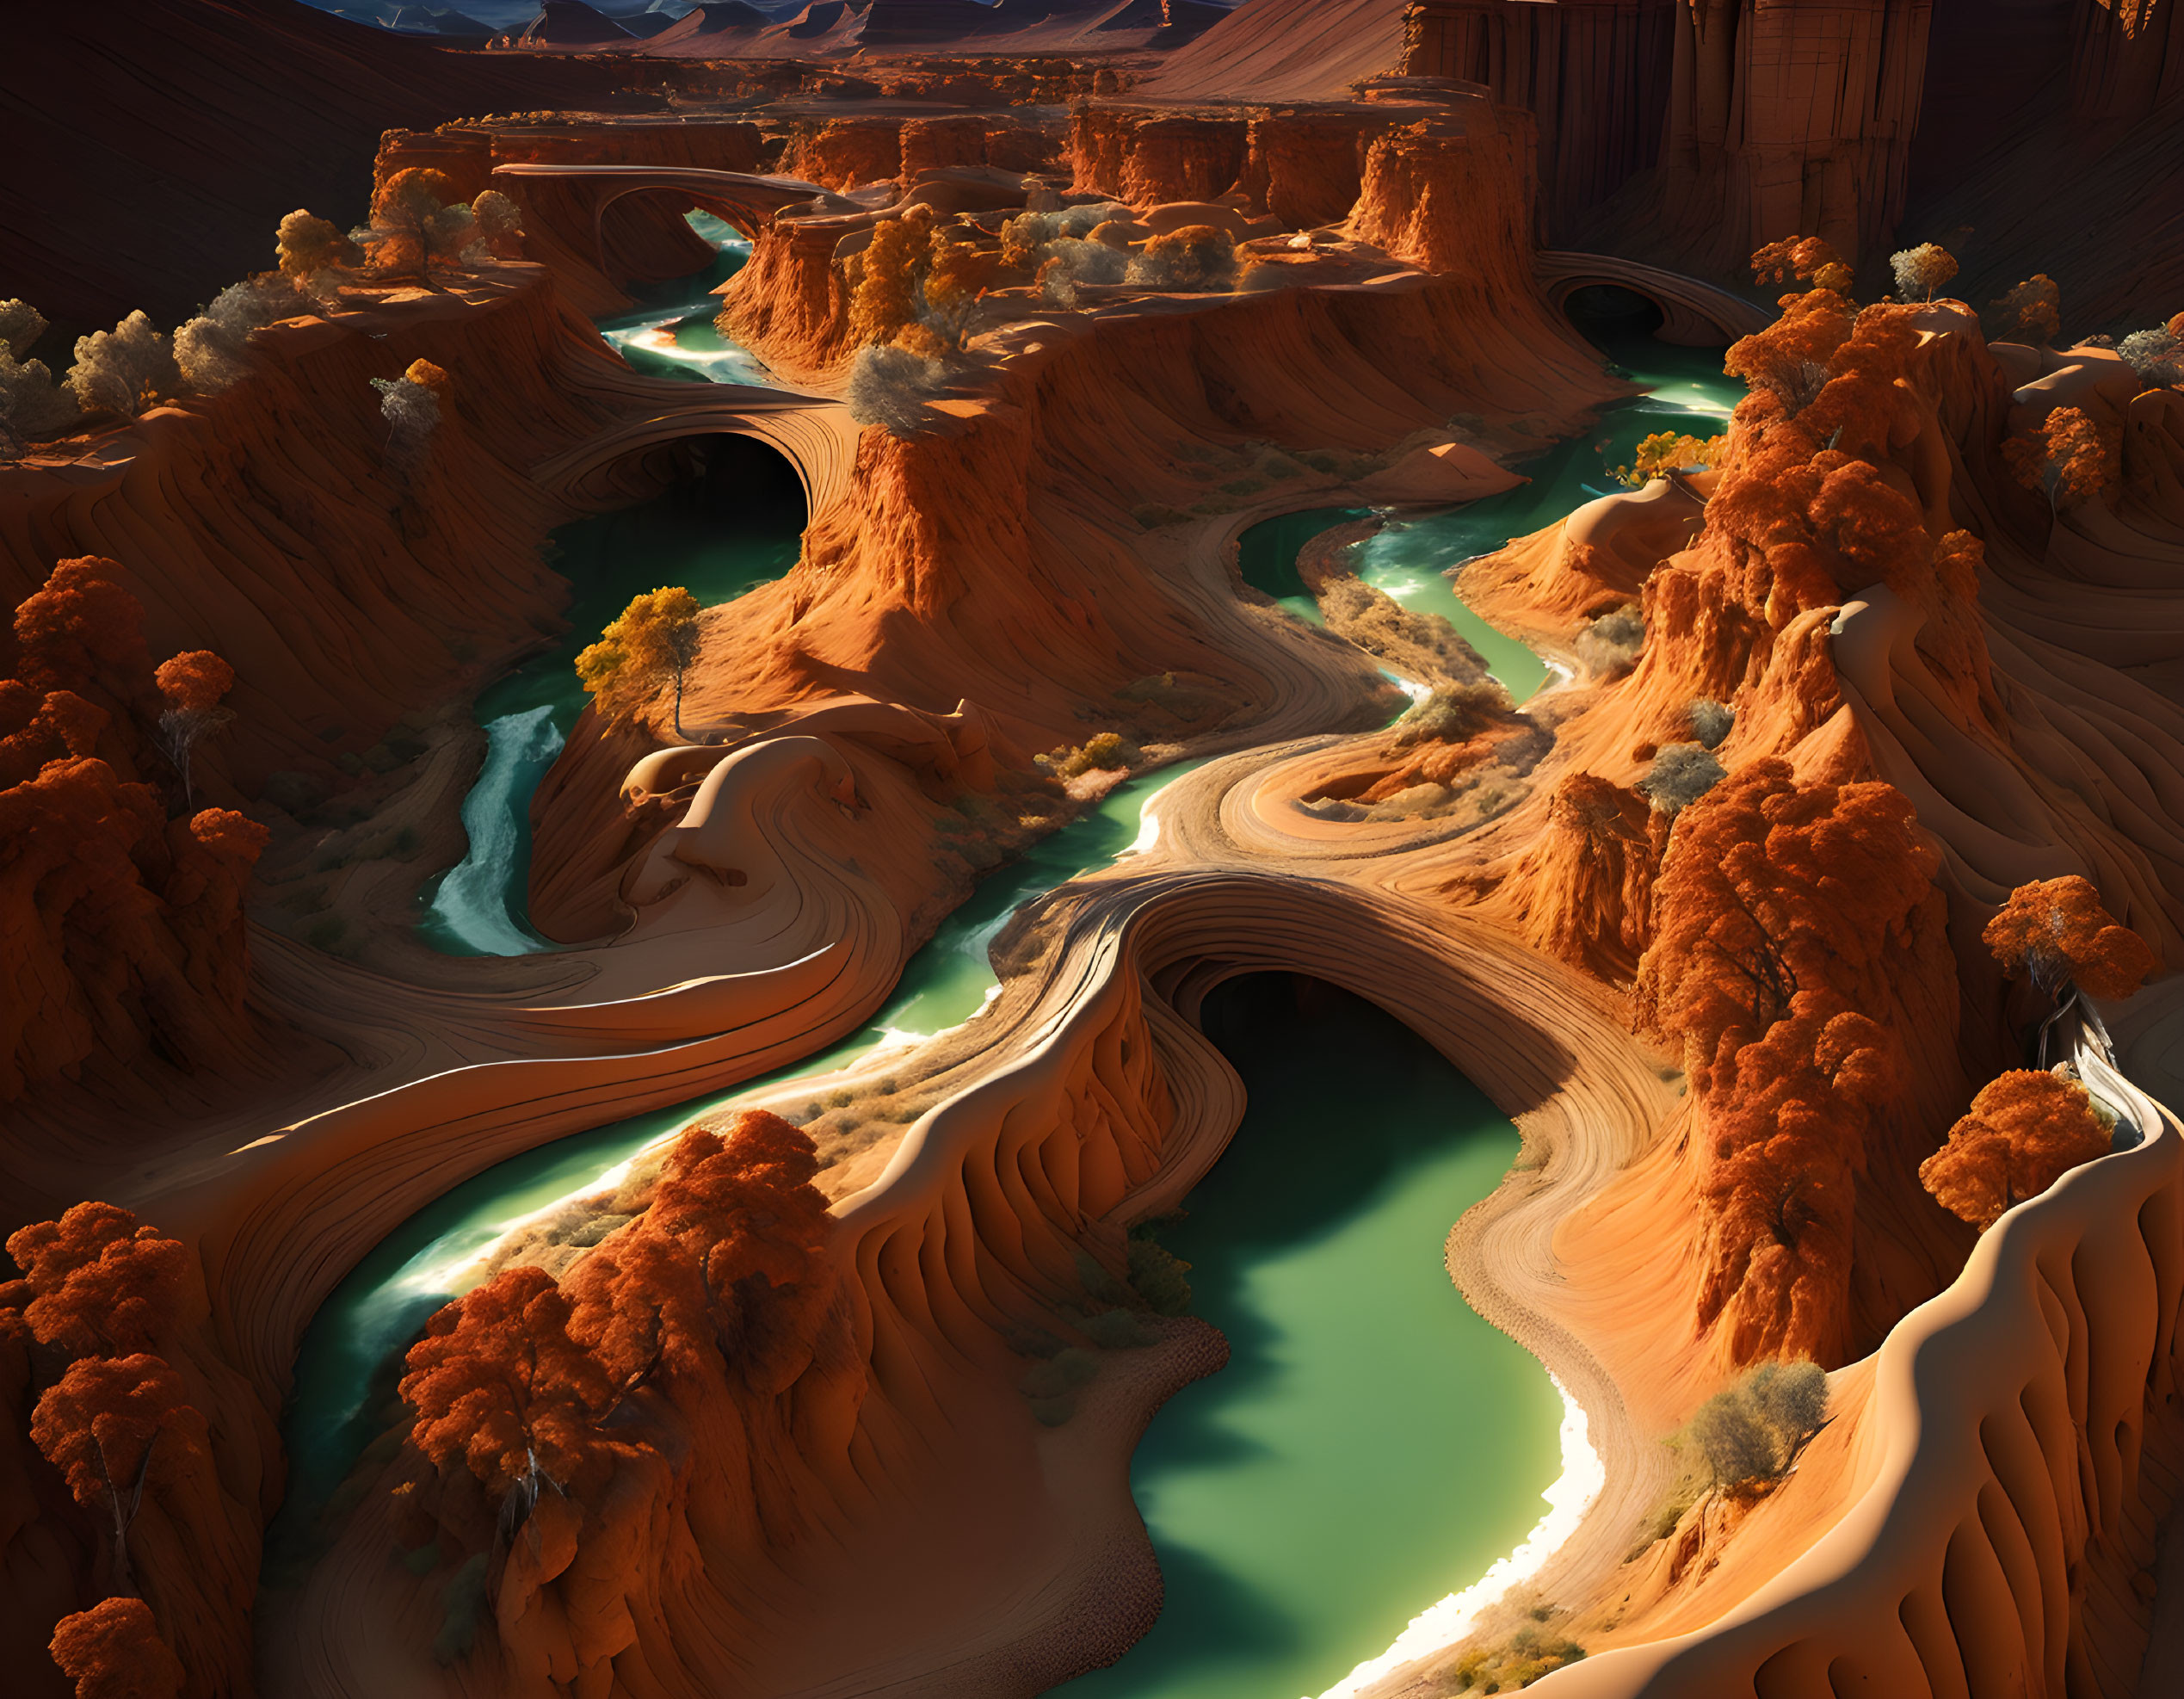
725 482
643 236
738 482
1605 313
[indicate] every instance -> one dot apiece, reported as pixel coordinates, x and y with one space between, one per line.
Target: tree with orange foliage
1863 409
96 1282
656 637
1791 355
117 926
309 248
102 1424
113 1651
1872 524
98 892
2055 932
417 218
36 729
887 299
1806 258
2033 313
83 630
1770 887
1786 1121
2023 1131
733 1235
642 1305
206 896
1776 913
193 683
501 1389
2068 455
958 275
1667 451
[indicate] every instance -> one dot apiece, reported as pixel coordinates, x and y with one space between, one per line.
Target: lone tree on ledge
2067 456
2056 933
1754 1431
1921 270
2023 1132
417 218
655 638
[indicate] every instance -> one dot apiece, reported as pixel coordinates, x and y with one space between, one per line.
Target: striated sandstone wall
1305 164
1452 195
266 522
1692 133
1147 155
2006 1470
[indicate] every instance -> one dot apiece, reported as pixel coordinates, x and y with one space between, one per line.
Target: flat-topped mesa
1451 194
1006 511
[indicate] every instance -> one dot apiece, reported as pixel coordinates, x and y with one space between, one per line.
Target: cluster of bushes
1612 643
1668 451
417 224
919 279
1751 1433
1108 752
1517 1662
1453 713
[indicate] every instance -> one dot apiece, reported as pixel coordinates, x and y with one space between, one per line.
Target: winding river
1373 1441
1411 557
717 536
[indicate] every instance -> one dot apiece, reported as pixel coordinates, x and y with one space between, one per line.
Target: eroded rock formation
778 1409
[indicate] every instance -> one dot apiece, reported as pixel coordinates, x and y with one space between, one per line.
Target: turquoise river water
1411 557
1373 1444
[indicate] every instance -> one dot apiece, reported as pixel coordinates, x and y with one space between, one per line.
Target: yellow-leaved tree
654 638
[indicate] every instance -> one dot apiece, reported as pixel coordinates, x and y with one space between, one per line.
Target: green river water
1373 1444
1411 557
718 536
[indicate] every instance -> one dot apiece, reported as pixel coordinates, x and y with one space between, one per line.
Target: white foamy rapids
1148 825
1443 1624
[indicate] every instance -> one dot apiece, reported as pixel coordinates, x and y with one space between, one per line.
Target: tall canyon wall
1690 133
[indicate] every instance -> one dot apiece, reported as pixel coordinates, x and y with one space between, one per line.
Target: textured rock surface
1694 133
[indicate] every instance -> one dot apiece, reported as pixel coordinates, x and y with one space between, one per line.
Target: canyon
1187 541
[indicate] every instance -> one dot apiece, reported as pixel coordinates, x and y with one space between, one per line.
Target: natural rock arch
566 206
1693 314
